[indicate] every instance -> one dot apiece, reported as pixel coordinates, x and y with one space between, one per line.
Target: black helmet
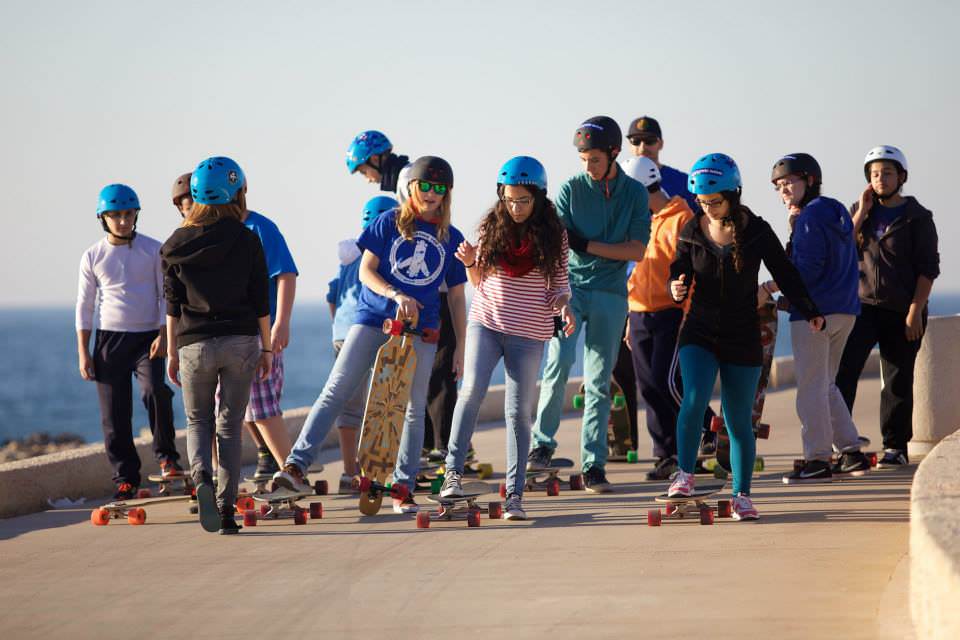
799 164
599 132
431 169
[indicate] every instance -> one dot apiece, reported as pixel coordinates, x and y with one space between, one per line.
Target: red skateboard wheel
136 516
670 509
245 503
144 493
299 516
423 520
716 424
553 487
365 484
100 517
473 518
706 515
654 517
264 509
399 491
576 482
250 518
393 327
503 489
316 510
321 487
724 509
495 510
872 457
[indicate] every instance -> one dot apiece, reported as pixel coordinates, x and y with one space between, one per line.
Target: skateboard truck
401 327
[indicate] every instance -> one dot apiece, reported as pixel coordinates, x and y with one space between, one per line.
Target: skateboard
132 510
548 478
282 503
465 504
767 320
620 446
679 507
167 484
265 485
384 413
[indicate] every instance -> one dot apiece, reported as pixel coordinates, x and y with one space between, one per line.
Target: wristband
471 265
266 351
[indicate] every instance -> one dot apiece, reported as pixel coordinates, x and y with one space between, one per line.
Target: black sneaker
540 457
228 526
125 491
437 456
812 472
893 459
595 481
207 507
853 463
266 465
663 470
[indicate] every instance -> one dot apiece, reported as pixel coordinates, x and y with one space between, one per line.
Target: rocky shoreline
38 444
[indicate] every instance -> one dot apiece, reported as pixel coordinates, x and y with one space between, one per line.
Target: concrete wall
935 543
936 411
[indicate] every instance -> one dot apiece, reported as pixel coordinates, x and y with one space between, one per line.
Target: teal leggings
738 386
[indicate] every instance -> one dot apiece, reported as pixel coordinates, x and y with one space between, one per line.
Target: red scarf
519 260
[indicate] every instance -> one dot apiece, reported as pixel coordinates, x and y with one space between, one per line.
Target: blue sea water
41 388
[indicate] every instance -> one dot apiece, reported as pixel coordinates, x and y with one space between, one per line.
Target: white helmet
884 152
643 170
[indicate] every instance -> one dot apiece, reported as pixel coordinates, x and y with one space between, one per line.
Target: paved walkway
821 560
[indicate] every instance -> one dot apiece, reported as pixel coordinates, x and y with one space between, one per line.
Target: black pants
653 343
897 358
117 355
624 376
442 391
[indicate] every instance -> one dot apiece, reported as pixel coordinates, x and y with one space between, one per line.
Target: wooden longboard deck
121 505
698 494
436 497
557 464
160 479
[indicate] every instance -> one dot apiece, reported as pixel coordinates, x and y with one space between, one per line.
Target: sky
135 92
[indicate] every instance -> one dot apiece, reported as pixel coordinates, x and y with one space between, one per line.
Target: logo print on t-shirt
414 267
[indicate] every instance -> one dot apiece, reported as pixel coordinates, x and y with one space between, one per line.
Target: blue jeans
738 387
349 370
521 361
604 315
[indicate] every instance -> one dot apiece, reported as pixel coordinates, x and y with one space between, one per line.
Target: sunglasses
637 140
439 189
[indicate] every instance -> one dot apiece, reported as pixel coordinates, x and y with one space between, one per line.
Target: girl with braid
719 253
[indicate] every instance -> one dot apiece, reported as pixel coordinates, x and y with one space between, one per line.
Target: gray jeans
229 361
824 417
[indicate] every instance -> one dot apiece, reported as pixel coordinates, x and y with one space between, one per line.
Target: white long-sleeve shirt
128 283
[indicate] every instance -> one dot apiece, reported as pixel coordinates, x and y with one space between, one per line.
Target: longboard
384 413
694 504
465 504
132 510
282 503
619 442
166 484
548 478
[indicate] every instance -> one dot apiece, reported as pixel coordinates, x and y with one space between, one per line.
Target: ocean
41 388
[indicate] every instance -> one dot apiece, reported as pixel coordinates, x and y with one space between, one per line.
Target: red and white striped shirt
521 306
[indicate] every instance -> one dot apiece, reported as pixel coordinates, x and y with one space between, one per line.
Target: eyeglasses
710 204
516 202
647 140
439 189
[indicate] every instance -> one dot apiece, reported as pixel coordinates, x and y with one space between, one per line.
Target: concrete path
822 560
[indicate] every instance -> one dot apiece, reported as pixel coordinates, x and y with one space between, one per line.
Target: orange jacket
648 286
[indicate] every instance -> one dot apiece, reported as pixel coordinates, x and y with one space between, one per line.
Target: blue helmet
523 170
216 180
713 173
117 197
365 146
374 207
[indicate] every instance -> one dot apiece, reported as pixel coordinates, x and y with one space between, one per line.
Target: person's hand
173 368
408 308
264 365
158 348
458 362
794 212
866 201
678 288
576 241
914 324
279 336
467 253
86 366
817 324
568 319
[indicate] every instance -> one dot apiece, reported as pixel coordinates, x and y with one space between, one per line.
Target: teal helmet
713 173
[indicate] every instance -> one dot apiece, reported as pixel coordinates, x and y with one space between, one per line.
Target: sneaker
682 484
853 463
539 457
228 525
812 472
595 481
471 453
513 510
743 508
406 505
663 470
207 507
451 484
348 485
170 469
266 466
436 456
125 491
893 459
291 477
708 445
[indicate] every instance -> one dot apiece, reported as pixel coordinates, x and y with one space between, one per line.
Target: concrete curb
935 543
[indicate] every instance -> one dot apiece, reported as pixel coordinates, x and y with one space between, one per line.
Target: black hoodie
723 312
215 280
390 171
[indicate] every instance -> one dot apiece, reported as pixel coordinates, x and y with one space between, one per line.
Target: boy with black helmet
646 139
823 250
898 263
607 219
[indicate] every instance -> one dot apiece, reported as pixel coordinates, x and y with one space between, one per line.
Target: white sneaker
451 484
405 505
683 485
743 508
514 509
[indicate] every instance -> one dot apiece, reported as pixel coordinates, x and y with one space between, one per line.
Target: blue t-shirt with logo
275 251
414 267
675 182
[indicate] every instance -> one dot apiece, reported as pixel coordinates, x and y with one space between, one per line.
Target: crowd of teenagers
658 269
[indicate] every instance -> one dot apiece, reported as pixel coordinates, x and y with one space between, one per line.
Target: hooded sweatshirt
648 289
346 293
215 280
825 253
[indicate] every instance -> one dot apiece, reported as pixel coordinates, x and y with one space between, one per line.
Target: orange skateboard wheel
100 517
245 503
136 516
